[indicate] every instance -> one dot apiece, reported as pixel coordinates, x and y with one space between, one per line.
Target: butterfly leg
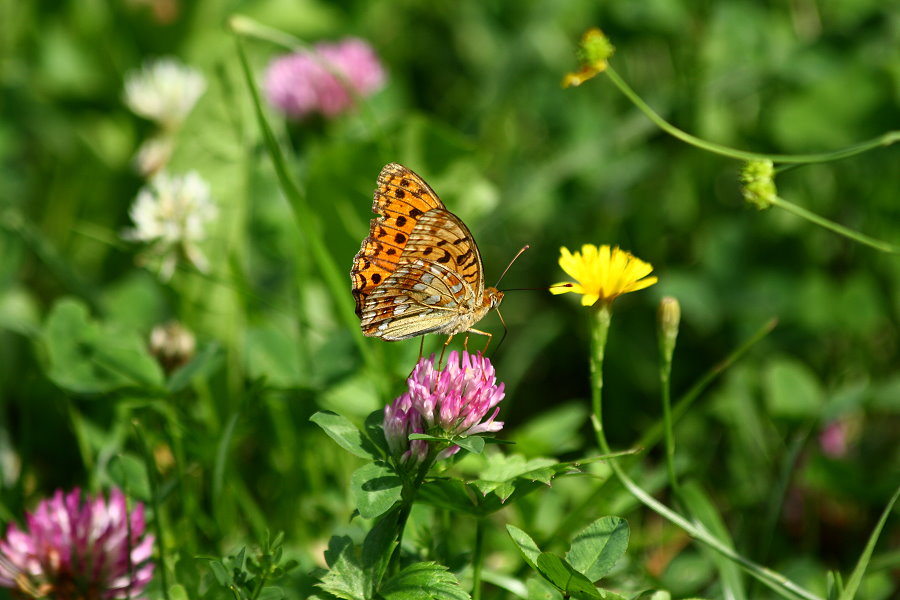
490 337
444 349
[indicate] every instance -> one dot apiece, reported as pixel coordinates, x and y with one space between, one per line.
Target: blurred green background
474 104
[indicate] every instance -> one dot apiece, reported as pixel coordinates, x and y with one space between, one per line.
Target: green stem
599 331
410 489
478 559
839 229
885 139
153 480
665 377
774 580
655 433
306 219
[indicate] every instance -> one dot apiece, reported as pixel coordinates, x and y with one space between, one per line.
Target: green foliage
787 455
592 555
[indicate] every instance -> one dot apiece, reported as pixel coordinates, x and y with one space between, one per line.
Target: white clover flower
165 91
171 213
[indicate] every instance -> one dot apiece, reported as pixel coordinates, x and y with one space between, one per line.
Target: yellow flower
593 53
602 273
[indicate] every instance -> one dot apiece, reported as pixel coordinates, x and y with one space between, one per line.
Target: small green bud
669 318
758 179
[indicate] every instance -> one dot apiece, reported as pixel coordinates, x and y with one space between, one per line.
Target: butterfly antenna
518 254
502 322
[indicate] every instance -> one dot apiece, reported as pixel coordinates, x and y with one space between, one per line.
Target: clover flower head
326 80
400 420
593 54
164 90
459 400
171 213
758 181
76 547
602 274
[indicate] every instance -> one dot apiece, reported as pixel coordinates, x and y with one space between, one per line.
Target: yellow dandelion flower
602 273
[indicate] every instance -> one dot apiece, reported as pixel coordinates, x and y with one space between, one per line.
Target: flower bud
758 180
173 345
669 319
593 53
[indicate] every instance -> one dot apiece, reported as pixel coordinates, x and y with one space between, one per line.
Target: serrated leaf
526 545
598 546
346 578
561 574
375 488
423 581
481 498
345 434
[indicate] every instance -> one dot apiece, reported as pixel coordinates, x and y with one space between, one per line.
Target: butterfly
419 271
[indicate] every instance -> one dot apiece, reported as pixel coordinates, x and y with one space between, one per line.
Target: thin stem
774 580
665 377
885 139
410 489
839 229
478 559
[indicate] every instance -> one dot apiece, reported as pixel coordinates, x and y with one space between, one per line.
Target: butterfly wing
437 286
401 199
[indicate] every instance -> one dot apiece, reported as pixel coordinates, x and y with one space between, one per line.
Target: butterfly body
419 270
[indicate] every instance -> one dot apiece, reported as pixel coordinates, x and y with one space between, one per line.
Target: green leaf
856 577
87 358
541 589
505 479
129 473
792 390
346 579
379 545
561 574
699 505
423 581
206 361
271 593
473 443
596 549
375 488
529 549
345 433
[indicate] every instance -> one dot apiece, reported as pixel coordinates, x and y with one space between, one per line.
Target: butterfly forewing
419 271
400 198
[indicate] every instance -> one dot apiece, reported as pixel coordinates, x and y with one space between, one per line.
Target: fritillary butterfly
419 271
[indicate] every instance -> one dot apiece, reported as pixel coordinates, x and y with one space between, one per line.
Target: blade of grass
307 222
856 577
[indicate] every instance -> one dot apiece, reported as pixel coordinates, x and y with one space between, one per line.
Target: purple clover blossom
457 399
302 83
74 549
400 420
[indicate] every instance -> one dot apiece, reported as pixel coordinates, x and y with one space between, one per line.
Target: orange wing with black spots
401 198
419 271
